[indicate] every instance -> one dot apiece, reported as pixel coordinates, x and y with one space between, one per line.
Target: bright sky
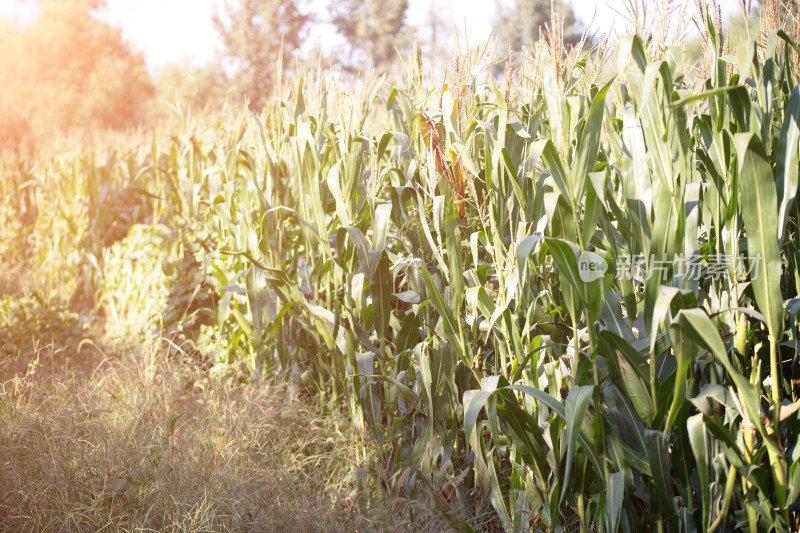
171 31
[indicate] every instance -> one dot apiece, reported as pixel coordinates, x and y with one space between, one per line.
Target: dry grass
136 443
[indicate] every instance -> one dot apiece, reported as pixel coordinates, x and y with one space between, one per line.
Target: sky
178 31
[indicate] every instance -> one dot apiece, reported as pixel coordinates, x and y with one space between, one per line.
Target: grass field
129 441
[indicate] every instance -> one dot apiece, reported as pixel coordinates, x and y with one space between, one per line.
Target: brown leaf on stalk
459 189
434 144
452 174
466 172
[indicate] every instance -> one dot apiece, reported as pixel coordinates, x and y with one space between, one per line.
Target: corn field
570 296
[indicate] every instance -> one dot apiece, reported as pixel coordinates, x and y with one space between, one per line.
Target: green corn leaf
575 408
381 285
589 142
698 438
555 166
559 409
702 330
449 324
760 213
614 499
565 254
787 160
455 263
524 249
661 483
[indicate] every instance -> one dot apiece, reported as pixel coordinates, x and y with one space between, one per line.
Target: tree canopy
373 27
253 32
68 70
524 22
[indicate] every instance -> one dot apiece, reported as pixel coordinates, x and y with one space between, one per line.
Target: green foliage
189 309
131 310
68 71
31 324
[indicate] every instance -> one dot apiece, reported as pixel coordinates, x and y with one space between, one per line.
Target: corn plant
574 302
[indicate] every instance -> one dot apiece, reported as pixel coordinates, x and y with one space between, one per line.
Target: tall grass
136 442
431 275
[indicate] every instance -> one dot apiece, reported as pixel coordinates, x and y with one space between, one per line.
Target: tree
253 33
525 23
69 70
435 34
373 27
